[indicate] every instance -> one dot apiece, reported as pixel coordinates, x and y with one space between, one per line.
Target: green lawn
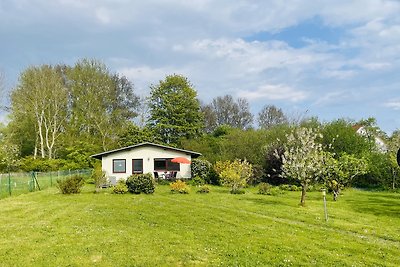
218 229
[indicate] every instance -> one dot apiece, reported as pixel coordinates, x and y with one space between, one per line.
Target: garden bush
197 180
203 189
203 169
288 187
141 183
71 185
120 187
267 189
234 174
264 188
179 187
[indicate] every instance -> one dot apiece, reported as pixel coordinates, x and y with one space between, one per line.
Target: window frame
133 166
113 165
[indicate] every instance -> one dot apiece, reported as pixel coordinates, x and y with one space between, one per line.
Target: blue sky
331 59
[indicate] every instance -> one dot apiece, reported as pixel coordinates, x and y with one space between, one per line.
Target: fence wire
12 184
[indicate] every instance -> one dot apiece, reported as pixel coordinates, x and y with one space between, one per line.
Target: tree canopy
174 110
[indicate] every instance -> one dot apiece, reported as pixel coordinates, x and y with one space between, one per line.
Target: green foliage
9 155
120 188
71 185
264 188
292 187
141 183
41 165
234 174
382 172
98 176
267 189
197 180
39 105
203 189
340 137
133 135
202 169
340 172
179 187
174 110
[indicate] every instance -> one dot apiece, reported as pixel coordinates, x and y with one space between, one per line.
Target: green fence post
51 179
9 183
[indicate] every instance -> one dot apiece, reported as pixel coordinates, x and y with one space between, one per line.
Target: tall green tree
174 110
39 103
101 103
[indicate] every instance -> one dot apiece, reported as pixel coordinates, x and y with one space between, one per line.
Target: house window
166 165
119 166
137 166
172 166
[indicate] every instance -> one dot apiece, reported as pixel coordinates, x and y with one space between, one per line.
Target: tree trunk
303 194
335 194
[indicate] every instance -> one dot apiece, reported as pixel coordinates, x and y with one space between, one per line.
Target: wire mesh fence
12 184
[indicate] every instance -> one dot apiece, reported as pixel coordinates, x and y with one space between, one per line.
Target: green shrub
285 187
71 185
179 187
288 187
264 188
203 169
197 180
141 183
120 187
274 191
204 189
237 191
296 188
98 177
234 173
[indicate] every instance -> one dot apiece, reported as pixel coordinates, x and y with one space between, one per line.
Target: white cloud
103 15
394 104
274 92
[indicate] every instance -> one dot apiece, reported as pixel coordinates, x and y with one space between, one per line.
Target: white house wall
148 154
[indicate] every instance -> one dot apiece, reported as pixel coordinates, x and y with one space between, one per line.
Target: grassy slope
49 229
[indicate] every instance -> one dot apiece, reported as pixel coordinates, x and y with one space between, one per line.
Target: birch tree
41 98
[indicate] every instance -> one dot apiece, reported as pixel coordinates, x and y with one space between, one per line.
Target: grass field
217 229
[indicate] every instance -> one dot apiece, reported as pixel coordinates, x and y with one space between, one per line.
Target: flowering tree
303 158
234 174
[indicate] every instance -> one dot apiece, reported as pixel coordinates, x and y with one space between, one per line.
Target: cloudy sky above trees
331 59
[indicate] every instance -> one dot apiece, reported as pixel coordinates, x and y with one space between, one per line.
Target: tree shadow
379 205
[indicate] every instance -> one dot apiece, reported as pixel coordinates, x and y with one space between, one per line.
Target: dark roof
100 155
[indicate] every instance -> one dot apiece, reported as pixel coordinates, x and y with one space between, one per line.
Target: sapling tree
348 167
303 158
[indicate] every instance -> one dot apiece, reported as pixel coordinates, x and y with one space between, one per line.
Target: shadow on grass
379 205
267 200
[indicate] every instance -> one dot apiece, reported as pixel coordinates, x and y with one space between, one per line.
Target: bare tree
226 111
270 116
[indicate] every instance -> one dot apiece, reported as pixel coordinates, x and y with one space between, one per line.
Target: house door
137 166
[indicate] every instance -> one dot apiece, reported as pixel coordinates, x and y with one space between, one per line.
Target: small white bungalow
145 158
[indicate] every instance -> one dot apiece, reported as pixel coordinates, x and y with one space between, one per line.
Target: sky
328 59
